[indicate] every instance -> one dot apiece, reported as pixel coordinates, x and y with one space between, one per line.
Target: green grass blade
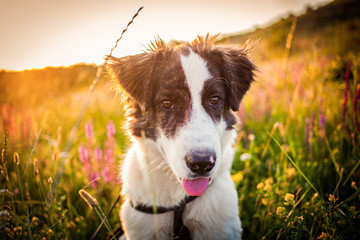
31 153
352 172
357 193
293 163
73 132
28 223
332 156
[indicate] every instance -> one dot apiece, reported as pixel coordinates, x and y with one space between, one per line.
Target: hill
31 87
335 24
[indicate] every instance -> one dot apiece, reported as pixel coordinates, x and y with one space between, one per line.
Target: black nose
200 162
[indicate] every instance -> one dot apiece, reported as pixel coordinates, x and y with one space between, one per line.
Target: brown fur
150 77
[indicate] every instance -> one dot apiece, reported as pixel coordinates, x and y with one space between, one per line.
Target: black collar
180 231
158 209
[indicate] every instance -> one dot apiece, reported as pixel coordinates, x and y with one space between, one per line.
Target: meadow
296 166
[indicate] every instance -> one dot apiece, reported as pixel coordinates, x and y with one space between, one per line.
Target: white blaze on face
201 132
196 74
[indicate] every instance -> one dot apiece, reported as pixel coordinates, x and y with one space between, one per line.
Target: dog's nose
200 162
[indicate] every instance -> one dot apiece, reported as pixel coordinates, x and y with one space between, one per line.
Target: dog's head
183 98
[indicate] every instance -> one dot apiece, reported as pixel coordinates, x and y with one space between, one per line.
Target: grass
296 166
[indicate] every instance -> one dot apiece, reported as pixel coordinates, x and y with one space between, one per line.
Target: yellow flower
264 201
237 177
268 185
281 212
352 209
289 199
315 195
35 221
322 236
332 198
290 173
260 185
299 219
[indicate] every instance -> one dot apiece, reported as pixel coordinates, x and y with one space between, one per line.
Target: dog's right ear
134 74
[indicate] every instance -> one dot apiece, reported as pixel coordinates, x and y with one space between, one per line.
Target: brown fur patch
152 77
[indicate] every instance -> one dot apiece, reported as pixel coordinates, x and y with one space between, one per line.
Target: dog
180 104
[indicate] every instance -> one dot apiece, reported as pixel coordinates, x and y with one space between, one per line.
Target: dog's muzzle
200 162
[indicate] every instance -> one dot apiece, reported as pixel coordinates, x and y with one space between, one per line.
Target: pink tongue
195 187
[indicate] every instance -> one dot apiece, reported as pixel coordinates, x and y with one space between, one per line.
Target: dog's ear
239 74
134 74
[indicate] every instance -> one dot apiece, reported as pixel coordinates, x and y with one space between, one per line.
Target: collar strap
179 230
159 209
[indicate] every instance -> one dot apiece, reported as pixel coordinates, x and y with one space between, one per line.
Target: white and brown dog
181 103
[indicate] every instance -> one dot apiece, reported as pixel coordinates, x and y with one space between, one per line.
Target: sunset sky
40 33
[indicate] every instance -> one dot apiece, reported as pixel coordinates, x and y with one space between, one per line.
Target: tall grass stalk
86 102
93 204
352 197
73 132
102 216
50 150
275 126
293 163
105 219
152 188
28 223
5 172
31 153
17 162
41 187
288 45
351 172
332 156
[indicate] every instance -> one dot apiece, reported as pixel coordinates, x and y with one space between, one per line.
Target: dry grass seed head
16 158
91 201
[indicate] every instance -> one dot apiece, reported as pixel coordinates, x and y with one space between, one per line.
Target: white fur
152 171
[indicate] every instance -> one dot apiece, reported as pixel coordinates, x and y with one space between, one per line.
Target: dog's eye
214 100
166 104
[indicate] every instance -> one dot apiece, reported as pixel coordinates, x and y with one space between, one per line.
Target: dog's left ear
239 74
133 75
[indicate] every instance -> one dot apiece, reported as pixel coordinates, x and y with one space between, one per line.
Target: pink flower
108 157
89 132
110 129
96 161
94 179
107 174
321 119
83 154
357 98
98 154
347 89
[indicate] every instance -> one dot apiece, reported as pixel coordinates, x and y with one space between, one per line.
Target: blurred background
296 166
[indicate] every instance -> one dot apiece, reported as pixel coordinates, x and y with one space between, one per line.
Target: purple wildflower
108 168
98 154
109 165
106 173
94 179
356 99
89 132
85 160
347 90
110 129
309 132
83 154
93 159
321 119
